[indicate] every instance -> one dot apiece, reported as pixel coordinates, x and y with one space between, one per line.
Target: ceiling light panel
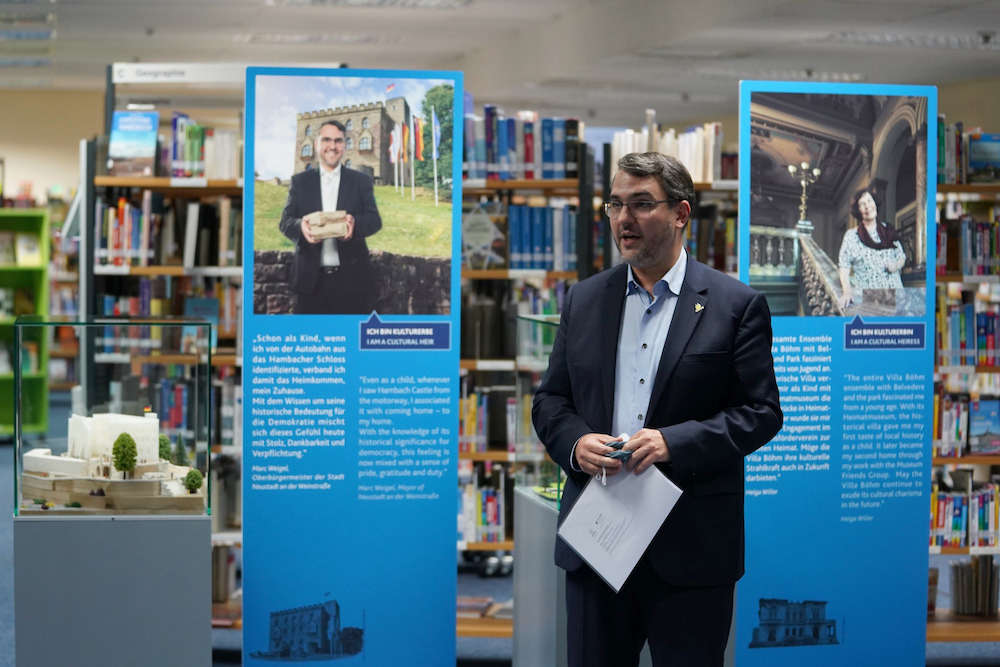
284 38
373 4
984 41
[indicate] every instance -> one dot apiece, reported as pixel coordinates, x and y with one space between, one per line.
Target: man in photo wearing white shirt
331 276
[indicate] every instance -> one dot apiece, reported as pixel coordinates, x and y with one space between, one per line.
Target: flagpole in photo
413 159
392 158
435 140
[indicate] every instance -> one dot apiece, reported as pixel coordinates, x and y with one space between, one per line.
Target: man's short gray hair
672 175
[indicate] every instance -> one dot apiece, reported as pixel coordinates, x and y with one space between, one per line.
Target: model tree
124 454
165 447
180 453
193 480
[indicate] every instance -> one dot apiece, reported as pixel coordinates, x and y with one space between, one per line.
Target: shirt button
649 311
642 380
644 346
640 415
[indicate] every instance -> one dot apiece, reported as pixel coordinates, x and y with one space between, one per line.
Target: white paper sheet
611 526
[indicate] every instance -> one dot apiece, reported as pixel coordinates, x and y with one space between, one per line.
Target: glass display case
134 439
535 335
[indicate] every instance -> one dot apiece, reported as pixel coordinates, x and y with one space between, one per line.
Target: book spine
547 148
490 113
559 148
529 149
572 150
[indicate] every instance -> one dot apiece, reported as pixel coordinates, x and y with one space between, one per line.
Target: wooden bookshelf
499 456
506 545
479 187
64 351
945 626
485 627
487 364
169 270
61 386
967 369
964 551
181 187
514 274
982 189
970 459
970 279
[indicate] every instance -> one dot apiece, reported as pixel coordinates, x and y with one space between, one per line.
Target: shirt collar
327 174
672 280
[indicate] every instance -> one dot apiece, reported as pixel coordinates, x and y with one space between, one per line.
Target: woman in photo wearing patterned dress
871 255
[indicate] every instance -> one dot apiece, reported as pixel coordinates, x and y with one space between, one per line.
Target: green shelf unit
33 280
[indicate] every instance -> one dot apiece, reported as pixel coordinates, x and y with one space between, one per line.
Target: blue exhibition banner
352 211
837 190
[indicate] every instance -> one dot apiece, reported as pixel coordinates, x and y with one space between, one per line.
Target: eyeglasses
640 208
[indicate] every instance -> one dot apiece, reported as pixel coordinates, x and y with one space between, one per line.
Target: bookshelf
24 290
153 273
967 293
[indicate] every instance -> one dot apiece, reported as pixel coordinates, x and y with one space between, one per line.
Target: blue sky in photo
279 99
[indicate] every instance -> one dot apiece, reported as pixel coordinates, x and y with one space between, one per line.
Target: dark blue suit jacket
714 399
356 196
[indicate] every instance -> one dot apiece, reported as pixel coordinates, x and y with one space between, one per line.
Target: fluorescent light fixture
372 4
803 74
20 19
298 38
26 34
24 62
982 41
133 106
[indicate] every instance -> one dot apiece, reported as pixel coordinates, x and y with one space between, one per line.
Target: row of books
966 155
496 419
227 420
217 303
964 519
149 233
711 238
137 148
523 146
974 587
20 249
16 301
485 502
963 425
699 148
969 246
542 237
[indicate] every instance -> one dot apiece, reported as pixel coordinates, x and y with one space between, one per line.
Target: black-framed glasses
639 208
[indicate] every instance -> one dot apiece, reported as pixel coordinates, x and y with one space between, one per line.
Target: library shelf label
853 349
351 366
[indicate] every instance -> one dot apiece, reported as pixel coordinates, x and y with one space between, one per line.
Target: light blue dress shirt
645 323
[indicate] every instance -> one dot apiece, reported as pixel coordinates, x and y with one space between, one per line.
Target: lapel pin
698 307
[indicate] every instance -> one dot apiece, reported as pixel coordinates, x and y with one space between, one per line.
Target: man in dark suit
331 275
678 356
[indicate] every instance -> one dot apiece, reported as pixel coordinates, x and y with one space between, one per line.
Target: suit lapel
688 312
609 313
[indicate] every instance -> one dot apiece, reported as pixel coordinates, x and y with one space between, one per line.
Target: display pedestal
112 591
540 587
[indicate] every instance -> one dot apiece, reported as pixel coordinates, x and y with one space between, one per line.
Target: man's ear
683 210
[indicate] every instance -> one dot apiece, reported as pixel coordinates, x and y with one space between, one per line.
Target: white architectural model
85 473
90 444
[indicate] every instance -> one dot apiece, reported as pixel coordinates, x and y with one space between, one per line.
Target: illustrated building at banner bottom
311 632
784 623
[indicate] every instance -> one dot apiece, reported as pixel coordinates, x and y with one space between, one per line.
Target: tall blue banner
351 211
837 187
